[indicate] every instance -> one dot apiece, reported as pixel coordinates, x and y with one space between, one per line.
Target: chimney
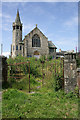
59 50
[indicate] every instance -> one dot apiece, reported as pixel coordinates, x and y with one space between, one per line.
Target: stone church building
35 43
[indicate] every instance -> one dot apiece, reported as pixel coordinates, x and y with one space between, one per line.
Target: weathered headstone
70 80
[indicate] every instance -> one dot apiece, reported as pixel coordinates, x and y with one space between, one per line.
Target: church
34 44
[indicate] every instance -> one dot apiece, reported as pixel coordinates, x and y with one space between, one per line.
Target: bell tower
16 47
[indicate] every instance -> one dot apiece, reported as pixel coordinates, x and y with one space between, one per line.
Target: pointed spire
17 13
17 20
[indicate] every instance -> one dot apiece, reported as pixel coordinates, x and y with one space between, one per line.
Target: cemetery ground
45 98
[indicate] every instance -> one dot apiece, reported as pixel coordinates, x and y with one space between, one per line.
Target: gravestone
70 76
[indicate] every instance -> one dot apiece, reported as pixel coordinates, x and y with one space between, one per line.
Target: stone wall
70 75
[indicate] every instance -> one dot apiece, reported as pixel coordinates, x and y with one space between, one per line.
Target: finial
17 12
17 20
36 25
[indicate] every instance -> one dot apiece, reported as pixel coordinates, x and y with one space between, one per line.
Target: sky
57 20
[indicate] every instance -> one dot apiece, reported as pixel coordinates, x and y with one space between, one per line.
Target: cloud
6 20
66 43
73 21
6 54
6 27
0 14
28 27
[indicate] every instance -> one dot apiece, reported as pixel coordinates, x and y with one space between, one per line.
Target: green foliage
70 95
17 104
42 59
36 71
58 82
34 65
76 91
58 77
49 57
46 99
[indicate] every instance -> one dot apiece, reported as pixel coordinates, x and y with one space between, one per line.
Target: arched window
16 47
17 27
20 47
36 41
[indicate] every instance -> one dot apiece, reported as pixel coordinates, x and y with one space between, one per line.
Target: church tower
16 47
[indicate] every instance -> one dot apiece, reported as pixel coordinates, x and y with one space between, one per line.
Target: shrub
58 82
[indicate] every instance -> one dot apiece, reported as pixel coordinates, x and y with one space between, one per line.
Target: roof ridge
34 29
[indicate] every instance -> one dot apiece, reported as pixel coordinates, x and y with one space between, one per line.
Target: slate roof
51 45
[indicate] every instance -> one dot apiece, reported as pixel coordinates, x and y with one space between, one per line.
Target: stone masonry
70 80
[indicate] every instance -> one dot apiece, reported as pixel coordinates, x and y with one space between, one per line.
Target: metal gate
14 71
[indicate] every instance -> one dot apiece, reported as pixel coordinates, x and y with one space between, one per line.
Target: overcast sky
57 20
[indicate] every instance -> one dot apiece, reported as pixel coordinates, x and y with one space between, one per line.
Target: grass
46 100
0 109
17 104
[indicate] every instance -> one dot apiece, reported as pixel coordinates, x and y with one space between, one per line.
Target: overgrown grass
0 109
46 99
17 104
